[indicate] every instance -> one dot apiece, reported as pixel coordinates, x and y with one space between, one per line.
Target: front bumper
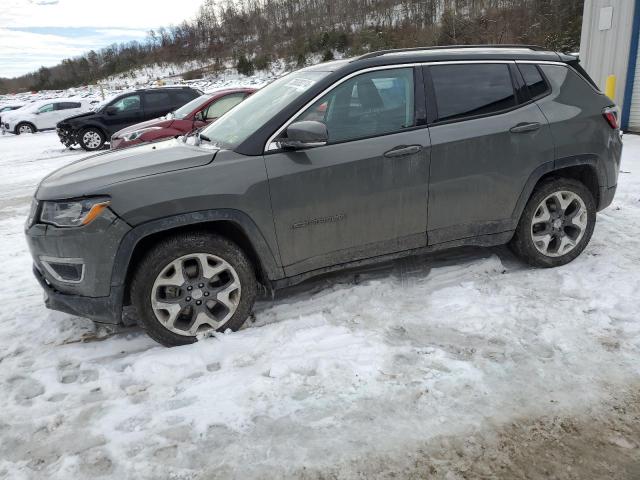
68 136
94 247
99 309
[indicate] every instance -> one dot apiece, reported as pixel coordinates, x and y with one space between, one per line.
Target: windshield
234 127
186 109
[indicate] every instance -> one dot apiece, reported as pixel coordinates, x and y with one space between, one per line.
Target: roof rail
446 47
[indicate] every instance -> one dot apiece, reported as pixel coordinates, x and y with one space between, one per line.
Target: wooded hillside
252 32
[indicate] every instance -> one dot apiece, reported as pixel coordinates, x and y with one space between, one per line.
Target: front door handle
402 150
526 127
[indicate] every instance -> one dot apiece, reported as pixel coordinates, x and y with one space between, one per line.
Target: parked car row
125 120
194 115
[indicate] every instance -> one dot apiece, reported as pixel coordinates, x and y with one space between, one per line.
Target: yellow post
610 87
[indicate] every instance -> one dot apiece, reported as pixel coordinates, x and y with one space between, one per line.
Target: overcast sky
43 32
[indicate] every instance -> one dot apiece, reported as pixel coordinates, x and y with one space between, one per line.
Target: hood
156 122
82 115
93 174
11 115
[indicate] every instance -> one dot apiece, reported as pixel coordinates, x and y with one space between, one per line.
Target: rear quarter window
182 97
534 80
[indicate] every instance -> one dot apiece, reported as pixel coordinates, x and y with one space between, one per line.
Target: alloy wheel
25 129
559 223
91 139
195 293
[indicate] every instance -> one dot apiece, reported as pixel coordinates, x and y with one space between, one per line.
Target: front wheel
556 224
24 128
92 139
190 284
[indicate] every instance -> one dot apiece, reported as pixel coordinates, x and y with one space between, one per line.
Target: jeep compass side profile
337 165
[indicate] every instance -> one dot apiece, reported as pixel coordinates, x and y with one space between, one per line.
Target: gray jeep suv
333 166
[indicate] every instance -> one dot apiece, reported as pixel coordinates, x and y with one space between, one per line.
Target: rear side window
469 90
368 105
534 80
157 100
67 105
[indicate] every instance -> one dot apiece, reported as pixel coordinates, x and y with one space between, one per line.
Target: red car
193 115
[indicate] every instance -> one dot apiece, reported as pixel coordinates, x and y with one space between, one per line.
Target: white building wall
604 46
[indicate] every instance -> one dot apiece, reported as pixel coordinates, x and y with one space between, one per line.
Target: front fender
241 220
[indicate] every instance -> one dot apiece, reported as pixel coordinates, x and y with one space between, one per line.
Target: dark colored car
334 166
196 114
91 130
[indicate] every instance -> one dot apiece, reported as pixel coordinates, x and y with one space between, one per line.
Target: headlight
73 213
138 133
32 212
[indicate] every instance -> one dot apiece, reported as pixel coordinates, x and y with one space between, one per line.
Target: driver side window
222 106
46 108
127 104
368 105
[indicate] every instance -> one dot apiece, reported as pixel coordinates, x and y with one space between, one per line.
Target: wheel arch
231 224
23 122
584 168
82 128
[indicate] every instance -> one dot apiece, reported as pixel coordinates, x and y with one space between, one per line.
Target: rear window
470 90
534 80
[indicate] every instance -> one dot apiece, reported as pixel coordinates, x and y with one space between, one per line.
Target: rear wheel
190 284
92 139
556 224
25 127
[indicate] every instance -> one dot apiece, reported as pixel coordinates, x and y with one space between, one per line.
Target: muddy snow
466 364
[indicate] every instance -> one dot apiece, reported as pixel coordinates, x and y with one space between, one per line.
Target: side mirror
305 134
111 110
199 117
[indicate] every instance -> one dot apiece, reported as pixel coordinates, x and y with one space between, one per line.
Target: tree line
252 33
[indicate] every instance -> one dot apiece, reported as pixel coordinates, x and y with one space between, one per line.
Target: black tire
522 242
89 137
23 125
175 247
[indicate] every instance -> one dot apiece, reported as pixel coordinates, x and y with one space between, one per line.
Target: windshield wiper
204 137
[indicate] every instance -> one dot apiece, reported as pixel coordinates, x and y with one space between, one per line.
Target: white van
42 115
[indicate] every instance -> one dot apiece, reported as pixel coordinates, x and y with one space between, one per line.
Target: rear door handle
526 127
402 150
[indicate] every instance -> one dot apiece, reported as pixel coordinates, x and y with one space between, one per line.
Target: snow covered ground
462 365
